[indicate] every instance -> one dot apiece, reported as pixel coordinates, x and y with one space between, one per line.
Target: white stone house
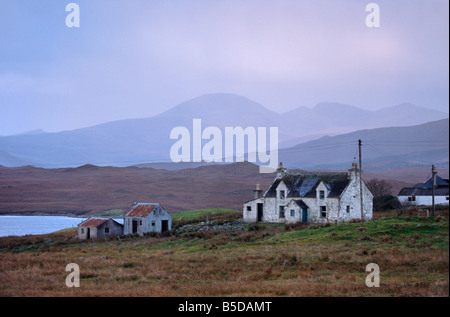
146 217
311 197
422 194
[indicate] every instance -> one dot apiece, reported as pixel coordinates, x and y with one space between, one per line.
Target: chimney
257 192
352 173
281 171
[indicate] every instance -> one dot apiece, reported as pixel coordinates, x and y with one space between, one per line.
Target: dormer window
322 194
282 194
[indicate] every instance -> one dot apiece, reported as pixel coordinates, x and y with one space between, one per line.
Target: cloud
140 58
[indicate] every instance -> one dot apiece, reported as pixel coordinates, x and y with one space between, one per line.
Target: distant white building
311 197
422 193
147 217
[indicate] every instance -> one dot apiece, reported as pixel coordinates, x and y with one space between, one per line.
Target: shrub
256 227
356 220
294 226
386 202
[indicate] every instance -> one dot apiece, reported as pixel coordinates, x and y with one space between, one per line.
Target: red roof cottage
98 227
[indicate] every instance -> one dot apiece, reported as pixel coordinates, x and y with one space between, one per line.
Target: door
164 225
304 215
259 215
88 234
135 226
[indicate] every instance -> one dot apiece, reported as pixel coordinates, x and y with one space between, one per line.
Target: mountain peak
218 100
335 106
218 105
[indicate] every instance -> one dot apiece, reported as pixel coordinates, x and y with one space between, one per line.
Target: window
106 230
446 198
82 231
140 222
153 223
292 212
348 208
412 198
249 208
281 211
322 194
282 194
323 211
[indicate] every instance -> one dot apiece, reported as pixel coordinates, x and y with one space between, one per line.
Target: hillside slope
98 190
383 148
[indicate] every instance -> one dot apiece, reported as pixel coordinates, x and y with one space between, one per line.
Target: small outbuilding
147 217
93 228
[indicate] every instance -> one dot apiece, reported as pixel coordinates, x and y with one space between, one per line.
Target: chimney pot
257 192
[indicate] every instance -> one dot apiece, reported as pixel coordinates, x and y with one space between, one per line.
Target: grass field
202 213
265 260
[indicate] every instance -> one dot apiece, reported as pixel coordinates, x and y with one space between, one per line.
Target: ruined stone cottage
311 197
147 217
92 228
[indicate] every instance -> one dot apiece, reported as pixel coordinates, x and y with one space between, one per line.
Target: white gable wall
351 197
271 211
250 210
297 217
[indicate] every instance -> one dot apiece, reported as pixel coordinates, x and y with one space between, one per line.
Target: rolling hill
90 189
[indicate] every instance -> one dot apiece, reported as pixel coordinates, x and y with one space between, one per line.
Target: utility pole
360 180
433 179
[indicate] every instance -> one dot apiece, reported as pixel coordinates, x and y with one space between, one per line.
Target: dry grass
269 261
413 211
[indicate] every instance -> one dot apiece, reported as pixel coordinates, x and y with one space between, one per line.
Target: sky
138 58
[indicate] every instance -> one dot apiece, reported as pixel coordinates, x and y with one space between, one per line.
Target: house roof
93 222
141 210
440 182
259 198
426 188
300 203
305 184
411 191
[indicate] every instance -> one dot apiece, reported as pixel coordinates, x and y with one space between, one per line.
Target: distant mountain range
140 141
382 148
